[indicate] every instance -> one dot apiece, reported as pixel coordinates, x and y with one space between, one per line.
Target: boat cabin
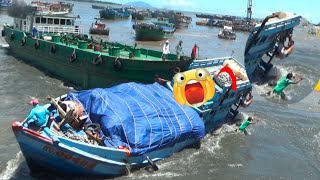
47 24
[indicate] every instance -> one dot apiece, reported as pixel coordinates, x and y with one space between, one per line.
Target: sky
260 8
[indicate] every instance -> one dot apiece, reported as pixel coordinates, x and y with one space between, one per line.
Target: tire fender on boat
37 44
176 70
12 36
117 65
2 33
53 48
23 41
73 56
97 60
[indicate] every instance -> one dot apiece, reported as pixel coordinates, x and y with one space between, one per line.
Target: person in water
282 51
246 100
283 83
245 124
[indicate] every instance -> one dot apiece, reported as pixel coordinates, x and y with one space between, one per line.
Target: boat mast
249 13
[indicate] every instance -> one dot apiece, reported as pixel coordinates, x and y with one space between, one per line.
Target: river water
284 144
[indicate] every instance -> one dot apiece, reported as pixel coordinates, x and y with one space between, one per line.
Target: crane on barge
249 13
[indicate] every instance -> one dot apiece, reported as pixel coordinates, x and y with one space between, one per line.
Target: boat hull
81 159
146 34
83 72
99 31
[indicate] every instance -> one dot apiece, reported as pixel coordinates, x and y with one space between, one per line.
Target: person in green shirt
245 124
283 83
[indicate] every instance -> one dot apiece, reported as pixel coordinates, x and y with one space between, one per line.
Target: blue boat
5 3
262 43
114 131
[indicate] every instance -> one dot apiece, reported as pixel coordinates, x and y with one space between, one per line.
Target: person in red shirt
194 51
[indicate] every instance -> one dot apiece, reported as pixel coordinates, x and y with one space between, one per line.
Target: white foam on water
235 165
11 167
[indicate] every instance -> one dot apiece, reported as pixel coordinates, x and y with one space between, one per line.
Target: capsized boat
114 131
227 33
61 49
262 44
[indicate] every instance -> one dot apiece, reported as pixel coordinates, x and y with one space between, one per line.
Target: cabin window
68 22
62 21
56 21
50 20
43 20
37 20
24 23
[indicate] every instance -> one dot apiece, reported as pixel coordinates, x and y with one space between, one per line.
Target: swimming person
283 83
245 124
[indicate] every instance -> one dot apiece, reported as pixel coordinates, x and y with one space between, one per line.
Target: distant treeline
95 1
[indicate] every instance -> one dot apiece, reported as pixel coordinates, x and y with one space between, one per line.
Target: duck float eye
180 78
202 74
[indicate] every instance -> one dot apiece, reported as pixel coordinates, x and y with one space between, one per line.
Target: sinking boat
262 43
114 131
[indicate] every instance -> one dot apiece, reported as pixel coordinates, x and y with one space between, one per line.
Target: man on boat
245 124
283 83
38 115
165 50
34 31
179 50
194 51
282 51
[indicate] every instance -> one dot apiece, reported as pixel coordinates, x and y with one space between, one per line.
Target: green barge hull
90 68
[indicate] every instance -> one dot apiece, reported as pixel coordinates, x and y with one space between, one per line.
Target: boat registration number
67 156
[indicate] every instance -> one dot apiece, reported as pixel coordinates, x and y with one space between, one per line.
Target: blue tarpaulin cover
140 117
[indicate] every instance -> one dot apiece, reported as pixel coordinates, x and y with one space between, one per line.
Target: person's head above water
289 76
250 119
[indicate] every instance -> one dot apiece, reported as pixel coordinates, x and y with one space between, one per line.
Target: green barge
87 63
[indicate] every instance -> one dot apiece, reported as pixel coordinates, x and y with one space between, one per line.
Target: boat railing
25 28
59 29
209 62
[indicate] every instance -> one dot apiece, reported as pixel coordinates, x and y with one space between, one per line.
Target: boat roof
227 27
57 16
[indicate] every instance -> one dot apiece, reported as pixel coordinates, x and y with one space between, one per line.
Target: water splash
11 167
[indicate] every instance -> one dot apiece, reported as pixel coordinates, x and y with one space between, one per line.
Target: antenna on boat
249 13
